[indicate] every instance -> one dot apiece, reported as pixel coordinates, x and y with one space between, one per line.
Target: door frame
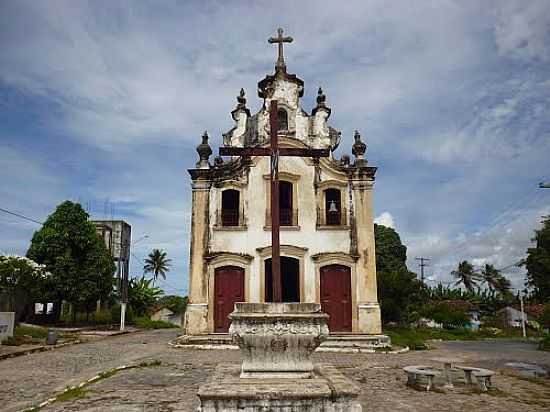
225 259
343 259
295 252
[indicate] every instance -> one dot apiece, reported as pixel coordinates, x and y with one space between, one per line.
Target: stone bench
483 376
413 372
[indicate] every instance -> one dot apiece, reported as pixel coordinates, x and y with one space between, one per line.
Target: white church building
326 217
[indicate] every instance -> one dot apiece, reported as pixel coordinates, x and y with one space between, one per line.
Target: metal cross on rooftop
280 40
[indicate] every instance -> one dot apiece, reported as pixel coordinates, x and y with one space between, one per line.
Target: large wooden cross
274 151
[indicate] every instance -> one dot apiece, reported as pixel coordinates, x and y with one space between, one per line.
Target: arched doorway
290 282
336 296
228 289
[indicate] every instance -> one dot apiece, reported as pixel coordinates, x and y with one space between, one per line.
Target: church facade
326 217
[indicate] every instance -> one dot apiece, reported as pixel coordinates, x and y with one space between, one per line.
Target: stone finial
358 149
241 105
241 100
321 99
204 150
345 160
218 161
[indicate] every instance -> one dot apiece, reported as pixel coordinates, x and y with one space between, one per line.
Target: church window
282 120
333 207
230 207
286 211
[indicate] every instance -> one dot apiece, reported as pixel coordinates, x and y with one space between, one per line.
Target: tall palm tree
157 263
490 275
465 274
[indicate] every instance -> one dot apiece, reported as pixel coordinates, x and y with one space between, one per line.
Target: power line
20 216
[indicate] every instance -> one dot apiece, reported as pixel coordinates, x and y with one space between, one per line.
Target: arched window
333 207
230 207
282 120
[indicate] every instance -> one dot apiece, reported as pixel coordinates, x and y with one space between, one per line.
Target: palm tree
490 275
157 263
465 275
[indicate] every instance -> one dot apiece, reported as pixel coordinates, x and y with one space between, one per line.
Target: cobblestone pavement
172 385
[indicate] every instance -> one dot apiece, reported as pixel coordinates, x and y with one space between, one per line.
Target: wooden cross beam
274 152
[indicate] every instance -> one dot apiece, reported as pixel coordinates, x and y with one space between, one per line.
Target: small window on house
230 207
282 120
333 207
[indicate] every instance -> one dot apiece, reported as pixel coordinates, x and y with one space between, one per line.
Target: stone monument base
326 391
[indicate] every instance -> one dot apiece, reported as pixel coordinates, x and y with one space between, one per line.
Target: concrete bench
483 376
413 372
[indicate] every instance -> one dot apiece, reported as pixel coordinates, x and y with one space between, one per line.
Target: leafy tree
445 314
465 275
538 263
398 288
157 263
21 282
391 254
81 266
141 295
176 304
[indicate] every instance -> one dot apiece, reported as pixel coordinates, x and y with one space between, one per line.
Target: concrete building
117 236
326 214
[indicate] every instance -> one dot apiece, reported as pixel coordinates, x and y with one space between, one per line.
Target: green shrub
115 314
448 316
545 343
146 323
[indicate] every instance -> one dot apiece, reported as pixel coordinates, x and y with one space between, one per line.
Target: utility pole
422 266
522 314
544 185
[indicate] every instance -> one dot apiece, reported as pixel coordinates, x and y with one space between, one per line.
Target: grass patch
71 393
26 335
145 322
150 364
416 338
545 343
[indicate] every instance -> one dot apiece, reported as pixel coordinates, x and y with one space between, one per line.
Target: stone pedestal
326 391
277 374
277 339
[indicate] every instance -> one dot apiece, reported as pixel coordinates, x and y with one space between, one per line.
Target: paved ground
172 386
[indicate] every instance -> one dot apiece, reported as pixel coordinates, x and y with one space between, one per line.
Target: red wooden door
336 297
228 289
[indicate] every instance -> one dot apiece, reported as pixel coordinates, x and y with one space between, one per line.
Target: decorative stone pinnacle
280 65
204 150
358 149
241 99
321 98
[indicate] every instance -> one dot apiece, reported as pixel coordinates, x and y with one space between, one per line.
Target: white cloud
385 219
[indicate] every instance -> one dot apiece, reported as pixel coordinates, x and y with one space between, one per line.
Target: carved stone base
326 391
277 339
195 320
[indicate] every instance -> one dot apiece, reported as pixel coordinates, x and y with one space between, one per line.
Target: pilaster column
196 315
368 308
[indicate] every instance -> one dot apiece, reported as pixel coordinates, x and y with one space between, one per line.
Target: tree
465 275
391 254
176 304
494 280
398 288
538 263
157 263
81 266
141 295
21 282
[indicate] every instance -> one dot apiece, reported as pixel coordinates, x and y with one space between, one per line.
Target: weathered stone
277 339
326 391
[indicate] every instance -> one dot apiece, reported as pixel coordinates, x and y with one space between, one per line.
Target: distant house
511 315
166 315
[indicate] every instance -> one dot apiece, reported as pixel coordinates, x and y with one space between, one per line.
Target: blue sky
104 103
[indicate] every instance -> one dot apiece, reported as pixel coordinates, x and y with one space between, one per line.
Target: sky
103 103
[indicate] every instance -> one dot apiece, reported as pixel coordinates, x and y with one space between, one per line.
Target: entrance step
347 343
